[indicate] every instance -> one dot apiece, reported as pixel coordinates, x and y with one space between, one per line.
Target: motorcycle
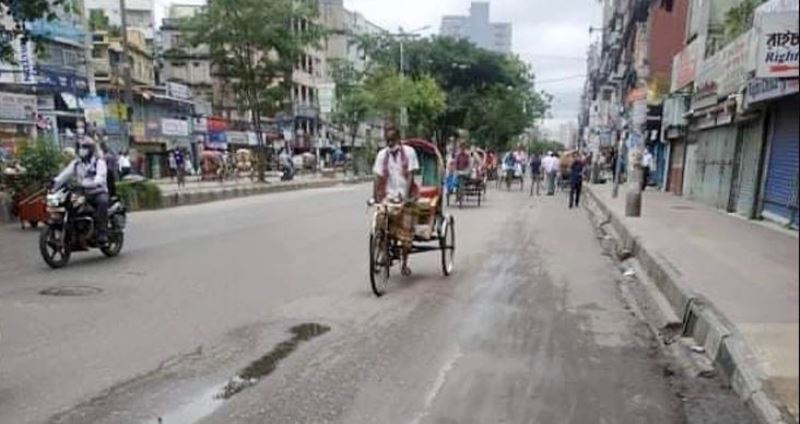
71 227
287 173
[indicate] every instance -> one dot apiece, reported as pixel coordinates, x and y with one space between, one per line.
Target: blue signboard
62 81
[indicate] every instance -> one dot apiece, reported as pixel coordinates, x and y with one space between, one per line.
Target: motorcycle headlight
55 199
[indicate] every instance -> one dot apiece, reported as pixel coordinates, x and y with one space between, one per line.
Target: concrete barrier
724 344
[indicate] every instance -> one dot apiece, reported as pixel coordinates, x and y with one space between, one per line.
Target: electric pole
126 74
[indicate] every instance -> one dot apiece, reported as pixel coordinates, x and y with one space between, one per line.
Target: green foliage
739 19
489 94
98 21
42 160
255 45
21 12
140 194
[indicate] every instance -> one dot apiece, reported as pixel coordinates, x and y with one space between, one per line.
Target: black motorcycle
71 227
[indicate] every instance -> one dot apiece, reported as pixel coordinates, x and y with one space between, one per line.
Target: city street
529 329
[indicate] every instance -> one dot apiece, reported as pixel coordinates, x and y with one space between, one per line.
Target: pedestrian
112 166
172 165
180 167
575 180
551 165
124 164
535 165
647 166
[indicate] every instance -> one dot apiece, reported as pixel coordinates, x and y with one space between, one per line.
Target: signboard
761 89
179 91
174 127
93 111
27 60
237 137
326 94
737 61
17 107
61 80
200 125
778 45
684 64
708 74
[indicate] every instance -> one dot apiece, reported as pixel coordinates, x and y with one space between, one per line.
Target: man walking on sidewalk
647 166
575 180
550 165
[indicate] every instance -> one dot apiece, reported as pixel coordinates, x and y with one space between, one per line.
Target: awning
70 100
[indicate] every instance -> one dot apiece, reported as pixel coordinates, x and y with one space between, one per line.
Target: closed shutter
677 151
747 178
713 166
690 173
780 197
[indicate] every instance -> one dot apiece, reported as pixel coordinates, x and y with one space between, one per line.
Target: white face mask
84 152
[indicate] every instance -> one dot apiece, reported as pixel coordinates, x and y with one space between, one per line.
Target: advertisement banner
761 89
778 45
17 107
61 81
684 64
326 95
94 111
174 127
706 82
179 91
737 61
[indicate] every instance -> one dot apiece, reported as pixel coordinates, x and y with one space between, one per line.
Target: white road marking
441 378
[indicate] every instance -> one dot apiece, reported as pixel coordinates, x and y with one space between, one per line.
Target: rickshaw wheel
447 244
379 269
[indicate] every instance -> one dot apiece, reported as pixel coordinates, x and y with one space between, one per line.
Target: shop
780 202
17 119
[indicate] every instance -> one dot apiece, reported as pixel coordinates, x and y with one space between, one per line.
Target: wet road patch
266 364
70 291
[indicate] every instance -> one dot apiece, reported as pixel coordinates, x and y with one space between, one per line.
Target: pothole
71 291
682 208
265 365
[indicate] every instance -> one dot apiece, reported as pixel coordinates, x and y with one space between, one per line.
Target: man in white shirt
647 166
550 166
395 166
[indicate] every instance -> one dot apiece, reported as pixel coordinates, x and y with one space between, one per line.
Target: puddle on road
205 404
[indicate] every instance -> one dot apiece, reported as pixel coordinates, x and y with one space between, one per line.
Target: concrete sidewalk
734 283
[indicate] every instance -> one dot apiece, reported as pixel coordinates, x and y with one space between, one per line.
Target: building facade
478 28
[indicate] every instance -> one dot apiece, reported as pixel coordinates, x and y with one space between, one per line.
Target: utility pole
126 72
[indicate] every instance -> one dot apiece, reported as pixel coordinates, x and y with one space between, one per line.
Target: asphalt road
529 329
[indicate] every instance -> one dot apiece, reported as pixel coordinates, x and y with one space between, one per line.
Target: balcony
101 66
306 111
59 31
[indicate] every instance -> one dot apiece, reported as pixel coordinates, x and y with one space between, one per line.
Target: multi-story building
477 28
179 62
344 27
139 14
41 91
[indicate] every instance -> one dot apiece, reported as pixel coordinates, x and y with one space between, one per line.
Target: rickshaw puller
395 166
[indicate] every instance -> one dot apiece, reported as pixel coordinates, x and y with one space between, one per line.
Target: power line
571 77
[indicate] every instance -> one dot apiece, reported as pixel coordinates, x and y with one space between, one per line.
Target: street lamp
401 37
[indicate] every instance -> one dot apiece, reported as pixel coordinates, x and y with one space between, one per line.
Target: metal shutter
747 178
780 197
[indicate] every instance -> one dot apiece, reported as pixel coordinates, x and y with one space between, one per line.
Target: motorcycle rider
91 171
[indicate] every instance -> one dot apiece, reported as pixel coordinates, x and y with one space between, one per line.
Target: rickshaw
511 176
245 164
210 165
433 230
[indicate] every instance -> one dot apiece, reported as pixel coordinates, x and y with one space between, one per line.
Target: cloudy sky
552 35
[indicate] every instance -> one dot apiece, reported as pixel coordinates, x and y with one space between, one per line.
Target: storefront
17 119
780 201
710 157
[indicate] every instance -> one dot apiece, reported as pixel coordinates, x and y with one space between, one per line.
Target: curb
724 344
178 199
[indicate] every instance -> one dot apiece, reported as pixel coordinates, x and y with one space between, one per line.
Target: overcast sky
552 35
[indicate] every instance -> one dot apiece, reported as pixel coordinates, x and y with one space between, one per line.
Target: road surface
529 329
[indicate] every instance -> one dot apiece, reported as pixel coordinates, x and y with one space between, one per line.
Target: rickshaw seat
428 192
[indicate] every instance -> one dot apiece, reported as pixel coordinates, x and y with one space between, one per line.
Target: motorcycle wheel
54 256
114 246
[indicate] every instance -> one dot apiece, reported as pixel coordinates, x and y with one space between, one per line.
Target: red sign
216 124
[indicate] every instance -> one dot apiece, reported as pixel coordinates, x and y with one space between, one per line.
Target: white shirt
124 162
397 186
550 164
647 160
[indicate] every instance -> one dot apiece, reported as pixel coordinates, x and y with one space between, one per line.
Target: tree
739 19
21 12
254 46
489 94
353 102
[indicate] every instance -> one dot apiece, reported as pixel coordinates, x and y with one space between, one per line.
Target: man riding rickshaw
408 215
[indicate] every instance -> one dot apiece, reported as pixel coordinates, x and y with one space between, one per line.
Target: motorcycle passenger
91 172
